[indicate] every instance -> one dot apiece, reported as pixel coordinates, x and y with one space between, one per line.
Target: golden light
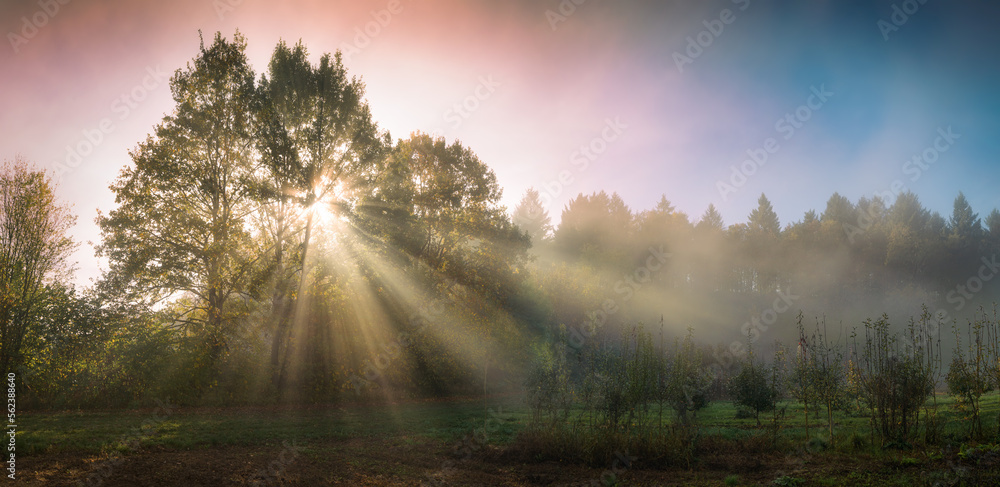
324 209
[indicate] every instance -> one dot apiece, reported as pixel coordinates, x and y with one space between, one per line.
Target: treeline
849 262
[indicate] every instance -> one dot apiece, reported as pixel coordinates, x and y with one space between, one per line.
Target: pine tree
763 219
532 217
711 219
964 224
839 209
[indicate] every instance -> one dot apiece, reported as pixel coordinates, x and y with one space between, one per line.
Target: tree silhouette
532 217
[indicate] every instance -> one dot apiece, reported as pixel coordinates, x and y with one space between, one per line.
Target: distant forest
851 253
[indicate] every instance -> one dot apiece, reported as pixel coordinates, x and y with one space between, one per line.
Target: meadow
473 442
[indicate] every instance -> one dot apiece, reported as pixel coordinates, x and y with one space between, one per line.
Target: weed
788 481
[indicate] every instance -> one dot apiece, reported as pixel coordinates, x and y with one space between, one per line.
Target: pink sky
550 92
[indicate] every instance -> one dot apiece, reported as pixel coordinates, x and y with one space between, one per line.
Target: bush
549 390
751 390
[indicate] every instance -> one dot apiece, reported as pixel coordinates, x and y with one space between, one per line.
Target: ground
409 444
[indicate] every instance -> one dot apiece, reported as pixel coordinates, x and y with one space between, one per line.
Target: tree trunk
300 303
806 405
829 413
278 313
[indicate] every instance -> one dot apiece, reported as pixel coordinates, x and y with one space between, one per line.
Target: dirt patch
408 461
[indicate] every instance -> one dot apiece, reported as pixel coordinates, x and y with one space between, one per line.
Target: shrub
751 389
549 390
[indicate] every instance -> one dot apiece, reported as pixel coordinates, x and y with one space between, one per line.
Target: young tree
969 376
829 376
801 380
34 251
752 388
687 383
894 383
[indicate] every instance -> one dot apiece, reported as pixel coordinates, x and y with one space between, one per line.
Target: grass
435 420
719 418
87 431
361 436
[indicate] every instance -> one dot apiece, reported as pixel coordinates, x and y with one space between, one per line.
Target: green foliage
969 376
819 375
788 481
34 250
763 220
181 222
894 383
687 383
549 390
593 228
751 389
91 352
624 380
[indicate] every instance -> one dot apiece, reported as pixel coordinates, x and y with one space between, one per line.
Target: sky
709 102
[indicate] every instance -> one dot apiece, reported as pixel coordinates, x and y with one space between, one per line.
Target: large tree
964 224
840 210
597 228
322 153
711 220
34 250
180 227
461 229
763 220
763 231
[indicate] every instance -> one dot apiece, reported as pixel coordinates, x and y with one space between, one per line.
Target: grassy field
448 441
